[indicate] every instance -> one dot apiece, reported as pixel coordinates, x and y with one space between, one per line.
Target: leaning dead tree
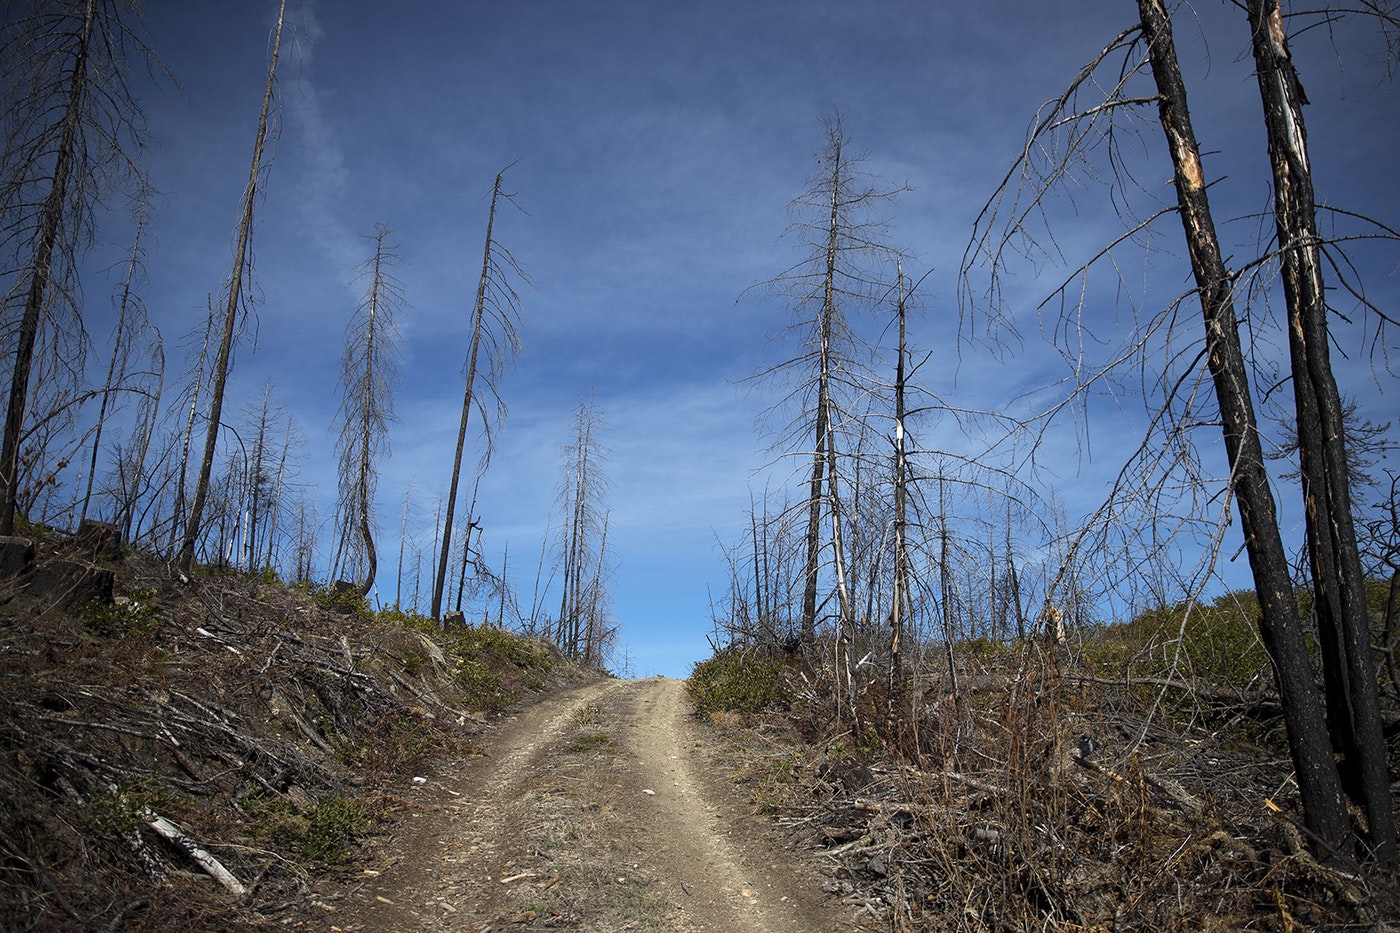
234 307
368 376
494 344
72 131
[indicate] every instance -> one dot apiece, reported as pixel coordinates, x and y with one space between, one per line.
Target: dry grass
1037 799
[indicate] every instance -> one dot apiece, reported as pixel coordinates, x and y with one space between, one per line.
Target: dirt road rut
597 809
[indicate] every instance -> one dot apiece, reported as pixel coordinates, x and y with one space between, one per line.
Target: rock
98 540
16 556
69 584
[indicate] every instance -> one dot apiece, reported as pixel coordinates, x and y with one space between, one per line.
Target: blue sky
655 148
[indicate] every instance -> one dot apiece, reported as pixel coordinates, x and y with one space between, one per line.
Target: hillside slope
200 755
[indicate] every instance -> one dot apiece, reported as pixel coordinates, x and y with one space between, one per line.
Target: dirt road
597 809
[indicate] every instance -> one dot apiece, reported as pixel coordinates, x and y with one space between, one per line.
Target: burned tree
840 227
1153 346
234 307
72 130
368 375
494 344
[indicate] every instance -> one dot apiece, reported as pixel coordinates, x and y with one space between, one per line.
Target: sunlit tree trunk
232 309
1280 624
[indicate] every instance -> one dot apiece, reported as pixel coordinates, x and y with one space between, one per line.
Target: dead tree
840 227
73 131
494 314
582 555
1339 583
130 317
1065 132
233 307
368 375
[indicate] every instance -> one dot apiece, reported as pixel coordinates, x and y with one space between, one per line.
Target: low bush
739 682
323 832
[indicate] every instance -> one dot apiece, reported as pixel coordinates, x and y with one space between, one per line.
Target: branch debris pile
201 755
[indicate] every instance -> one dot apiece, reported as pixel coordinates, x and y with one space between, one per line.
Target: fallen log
197 854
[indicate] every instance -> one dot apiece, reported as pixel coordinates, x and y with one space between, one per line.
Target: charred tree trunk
41 274
1280 623
900 599
478 315
1339 594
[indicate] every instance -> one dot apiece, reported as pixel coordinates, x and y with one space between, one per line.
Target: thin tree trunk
901 556
231 310
277 501
178 514
365 464
1280 624
145 430
467 399
403 536
823 458
505 566
593 633
118 352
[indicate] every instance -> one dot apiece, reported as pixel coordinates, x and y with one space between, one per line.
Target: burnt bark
1280 622
41 270
1339 597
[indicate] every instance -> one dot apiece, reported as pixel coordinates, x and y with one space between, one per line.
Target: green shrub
124 617
332 825
125 806
499 645
410 620
323 832
739 682
494 666
590 742
333 599
1219 642
481 685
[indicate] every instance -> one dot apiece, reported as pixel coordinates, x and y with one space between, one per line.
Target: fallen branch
203 859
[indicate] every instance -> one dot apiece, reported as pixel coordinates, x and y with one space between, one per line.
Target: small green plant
323 832
481 686
984 649
332 825
589 742
126 616
588 714
410 620
339 598
124 806
738 682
